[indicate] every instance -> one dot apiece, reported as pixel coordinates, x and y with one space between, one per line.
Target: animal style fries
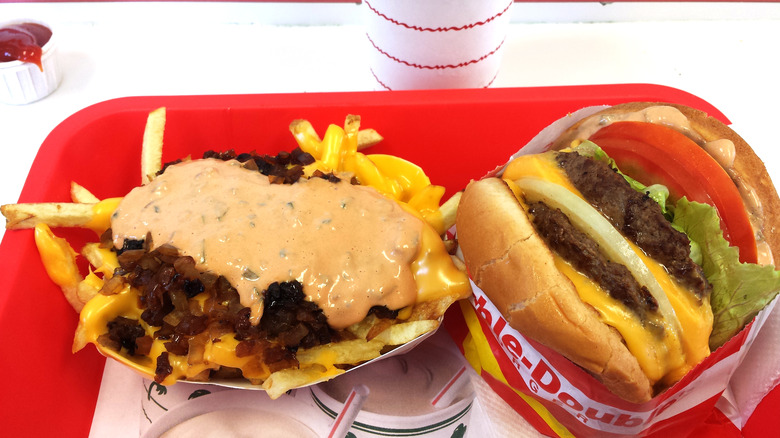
185 336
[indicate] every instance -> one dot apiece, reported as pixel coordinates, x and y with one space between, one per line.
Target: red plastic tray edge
73 417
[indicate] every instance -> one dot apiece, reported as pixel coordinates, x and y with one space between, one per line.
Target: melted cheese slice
663 359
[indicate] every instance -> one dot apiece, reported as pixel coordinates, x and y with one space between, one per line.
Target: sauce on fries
210 320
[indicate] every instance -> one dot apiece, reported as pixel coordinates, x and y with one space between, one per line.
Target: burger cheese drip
722 150
664 323
213 211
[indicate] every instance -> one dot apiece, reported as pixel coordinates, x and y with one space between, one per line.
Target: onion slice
588 220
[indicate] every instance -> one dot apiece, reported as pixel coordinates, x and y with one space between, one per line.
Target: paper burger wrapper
558 398
428 44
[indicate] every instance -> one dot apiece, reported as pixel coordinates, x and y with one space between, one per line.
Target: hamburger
642 240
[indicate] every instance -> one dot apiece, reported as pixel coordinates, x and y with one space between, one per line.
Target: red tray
456 135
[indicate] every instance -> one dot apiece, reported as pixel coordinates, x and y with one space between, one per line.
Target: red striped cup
428 44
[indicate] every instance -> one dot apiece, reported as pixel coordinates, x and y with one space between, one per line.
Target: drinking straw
352 407
447 393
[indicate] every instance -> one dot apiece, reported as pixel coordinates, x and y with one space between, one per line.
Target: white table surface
725 53
722 52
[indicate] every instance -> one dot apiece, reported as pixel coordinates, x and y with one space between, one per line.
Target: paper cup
427 44
231 412
23 82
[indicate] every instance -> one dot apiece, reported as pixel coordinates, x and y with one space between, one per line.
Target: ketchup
23 42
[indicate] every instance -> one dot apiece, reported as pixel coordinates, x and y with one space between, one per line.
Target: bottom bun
512 264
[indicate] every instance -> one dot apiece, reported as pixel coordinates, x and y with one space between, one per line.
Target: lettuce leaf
739 290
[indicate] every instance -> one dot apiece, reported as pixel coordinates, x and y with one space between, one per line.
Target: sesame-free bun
511 263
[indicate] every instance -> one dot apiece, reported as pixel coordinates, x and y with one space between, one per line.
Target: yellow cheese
102 211
652 353
695 317
411 178
542 166
664 359
435 274
331 147
57 256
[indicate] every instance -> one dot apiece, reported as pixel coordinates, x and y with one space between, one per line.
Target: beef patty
636 216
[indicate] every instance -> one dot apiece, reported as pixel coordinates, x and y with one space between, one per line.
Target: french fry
103 260
345 352
367 138
352 123
449 209
404 332
151 149
53 214
87 289
80 194
379 327
362 328
351 131
59 260
318 364
426 201
306 137
331 147
458 263
309 141
282 381
431 310
369 174
60 214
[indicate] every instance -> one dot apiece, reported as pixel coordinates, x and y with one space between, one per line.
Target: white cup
23 82
428 44
232 413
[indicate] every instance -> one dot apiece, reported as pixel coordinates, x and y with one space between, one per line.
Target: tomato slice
652 153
